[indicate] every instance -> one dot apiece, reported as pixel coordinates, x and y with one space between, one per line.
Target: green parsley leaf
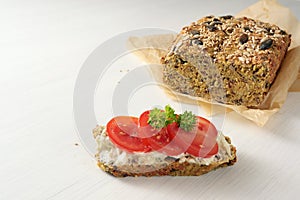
170 115
157 118
187 121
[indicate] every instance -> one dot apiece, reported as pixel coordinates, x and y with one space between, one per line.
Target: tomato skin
123 132
199 142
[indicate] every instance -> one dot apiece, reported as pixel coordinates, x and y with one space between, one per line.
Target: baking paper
152 48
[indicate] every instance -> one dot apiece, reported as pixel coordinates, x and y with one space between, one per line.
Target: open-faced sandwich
160 143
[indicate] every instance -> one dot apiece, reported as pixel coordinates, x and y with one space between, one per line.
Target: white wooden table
43 45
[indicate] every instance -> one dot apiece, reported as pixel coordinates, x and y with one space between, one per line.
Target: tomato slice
209 152
184 138
158 139
123 132
136 135
209 145
164 142
200 142
144 117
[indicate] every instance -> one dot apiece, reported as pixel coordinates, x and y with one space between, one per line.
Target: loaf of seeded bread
121 164
226 59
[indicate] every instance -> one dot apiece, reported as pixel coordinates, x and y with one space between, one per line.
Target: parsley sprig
187 121
157 118
161 118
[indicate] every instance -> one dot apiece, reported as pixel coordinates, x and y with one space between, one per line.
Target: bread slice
226 59
119 163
